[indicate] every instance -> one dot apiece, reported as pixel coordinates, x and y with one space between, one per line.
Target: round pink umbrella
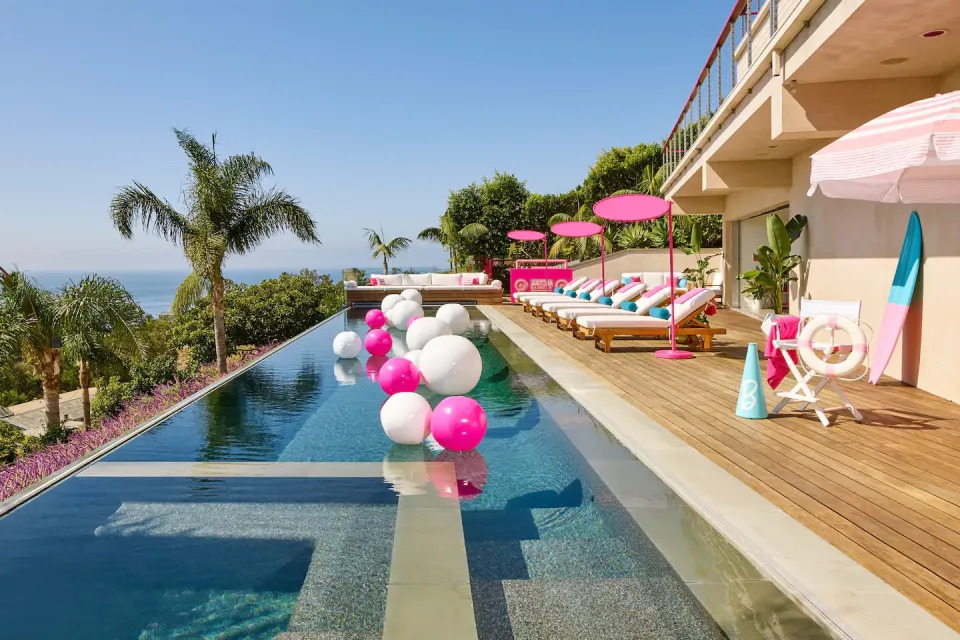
582 229
636 207
525 235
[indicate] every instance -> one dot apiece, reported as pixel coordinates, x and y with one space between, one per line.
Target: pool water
553 547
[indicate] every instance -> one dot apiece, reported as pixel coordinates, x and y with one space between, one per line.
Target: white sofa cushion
445 279
468 278
393 280
416 279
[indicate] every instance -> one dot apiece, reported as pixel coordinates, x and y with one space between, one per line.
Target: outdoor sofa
435 288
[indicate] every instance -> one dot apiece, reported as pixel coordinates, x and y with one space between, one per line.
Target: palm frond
94 308
557 218
431 234
193 289
199 153
268 214
397 245
244 171
138 203
474 231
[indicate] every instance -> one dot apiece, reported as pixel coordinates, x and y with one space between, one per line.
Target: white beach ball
451 365
405 418
412 294
403 312
455 315
347 344
424 330
390 301
347 371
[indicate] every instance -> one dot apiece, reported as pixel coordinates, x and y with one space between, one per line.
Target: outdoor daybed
439 288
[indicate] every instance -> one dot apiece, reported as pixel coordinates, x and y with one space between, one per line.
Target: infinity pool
564 534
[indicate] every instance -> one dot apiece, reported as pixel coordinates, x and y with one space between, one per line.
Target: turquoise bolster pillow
626 279
585 296
571 294
683 283
558 290
605 300
628 306
660 312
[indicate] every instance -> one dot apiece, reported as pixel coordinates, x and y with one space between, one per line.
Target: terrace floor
886 492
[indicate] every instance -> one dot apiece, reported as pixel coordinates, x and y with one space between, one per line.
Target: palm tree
383 248
228 212
447 235
651 181
28 330
96 316
580 248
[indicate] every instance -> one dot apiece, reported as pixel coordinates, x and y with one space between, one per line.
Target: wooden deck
885 492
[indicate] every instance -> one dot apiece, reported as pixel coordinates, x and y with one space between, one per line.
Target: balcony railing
749 29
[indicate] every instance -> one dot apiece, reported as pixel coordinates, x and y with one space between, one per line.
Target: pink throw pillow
476 281
373 282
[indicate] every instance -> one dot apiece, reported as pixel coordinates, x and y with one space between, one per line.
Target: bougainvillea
31 468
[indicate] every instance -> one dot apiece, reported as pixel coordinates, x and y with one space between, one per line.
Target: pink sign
538 280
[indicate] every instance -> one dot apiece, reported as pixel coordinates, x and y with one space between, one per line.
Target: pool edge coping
28 493
841 619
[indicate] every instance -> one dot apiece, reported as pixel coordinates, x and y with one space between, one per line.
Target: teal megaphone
751 403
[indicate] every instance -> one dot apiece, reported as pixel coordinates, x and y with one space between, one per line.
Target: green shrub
147 374
110 398
12 441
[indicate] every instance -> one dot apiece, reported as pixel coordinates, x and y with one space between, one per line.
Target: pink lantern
458 423
378 342
373 366
399 374
375 318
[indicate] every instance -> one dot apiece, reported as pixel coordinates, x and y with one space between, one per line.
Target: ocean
153 290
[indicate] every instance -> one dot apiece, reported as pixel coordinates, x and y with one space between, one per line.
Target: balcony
742 52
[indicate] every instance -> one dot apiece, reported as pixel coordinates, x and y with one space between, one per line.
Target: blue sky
369 112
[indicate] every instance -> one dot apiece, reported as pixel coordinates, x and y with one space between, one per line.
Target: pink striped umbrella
909 155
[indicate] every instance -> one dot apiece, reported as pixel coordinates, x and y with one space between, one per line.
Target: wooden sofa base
430 296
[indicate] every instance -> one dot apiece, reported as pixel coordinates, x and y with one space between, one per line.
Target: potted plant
775 262
698 275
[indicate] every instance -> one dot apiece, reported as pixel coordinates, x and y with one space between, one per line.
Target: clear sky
369 111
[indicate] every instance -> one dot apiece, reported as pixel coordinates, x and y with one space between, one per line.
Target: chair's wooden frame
699 335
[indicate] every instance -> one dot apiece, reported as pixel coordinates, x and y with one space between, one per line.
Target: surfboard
904 281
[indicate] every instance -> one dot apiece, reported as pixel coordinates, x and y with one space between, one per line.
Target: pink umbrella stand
634 207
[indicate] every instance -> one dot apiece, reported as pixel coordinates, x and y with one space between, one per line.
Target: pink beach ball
378 342
458 423
375 318
398 375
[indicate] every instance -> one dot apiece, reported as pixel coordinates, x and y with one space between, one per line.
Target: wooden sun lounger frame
582 334
699 335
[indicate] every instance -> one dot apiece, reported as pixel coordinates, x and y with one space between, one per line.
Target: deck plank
886 492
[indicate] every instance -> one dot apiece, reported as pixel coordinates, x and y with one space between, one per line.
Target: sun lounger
626 293
608 289
536 301
688 306
573 285
655 296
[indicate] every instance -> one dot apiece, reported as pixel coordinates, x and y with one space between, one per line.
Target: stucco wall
851 250
642 260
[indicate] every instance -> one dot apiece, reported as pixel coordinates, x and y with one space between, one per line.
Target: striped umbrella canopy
909 155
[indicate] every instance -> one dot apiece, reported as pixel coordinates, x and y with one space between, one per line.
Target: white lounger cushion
627 293
644 304
636 321
549 297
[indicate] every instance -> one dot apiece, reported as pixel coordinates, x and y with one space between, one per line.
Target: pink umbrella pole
545 265
603 271
672 353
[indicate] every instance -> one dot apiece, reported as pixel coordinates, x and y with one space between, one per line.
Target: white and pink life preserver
815 358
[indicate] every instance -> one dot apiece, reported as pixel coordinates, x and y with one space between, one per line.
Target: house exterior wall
851 249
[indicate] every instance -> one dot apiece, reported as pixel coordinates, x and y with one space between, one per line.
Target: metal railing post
773 17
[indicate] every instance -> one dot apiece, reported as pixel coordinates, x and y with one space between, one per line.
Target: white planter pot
751 304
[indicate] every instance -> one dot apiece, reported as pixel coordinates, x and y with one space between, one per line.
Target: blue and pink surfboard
904 282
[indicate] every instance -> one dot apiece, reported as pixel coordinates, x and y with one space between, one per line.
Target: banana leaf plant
699 273
775 262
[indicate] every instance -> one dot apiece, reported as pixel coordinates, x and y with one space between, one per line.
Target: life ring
814 360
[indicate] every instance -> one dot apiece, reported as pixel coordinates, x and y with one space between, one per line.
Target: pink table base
536 280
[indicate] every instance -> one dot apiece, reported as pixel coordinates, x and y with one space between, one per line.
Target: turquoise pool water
551 551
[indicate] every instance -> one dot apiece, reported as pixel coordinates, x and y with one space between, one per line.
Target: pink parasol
526 235
635 207
582 229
